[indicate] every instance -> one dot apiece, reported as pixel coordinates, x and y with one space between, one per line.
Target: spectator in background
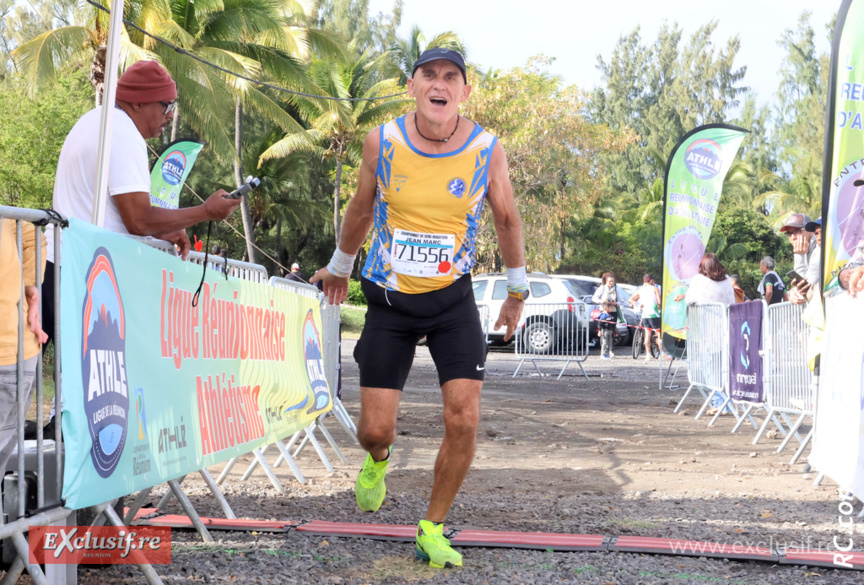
606 296
740 295
295 274
804 291
648 296
710 285
804 247
10 292
771 288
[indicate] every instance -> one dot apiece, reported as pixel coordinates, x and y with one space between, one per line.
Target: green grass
352 322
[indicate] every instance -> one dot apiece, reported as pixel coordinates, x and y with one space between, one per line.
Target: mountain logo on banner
745 336
314 364
704 159
103 367
173 167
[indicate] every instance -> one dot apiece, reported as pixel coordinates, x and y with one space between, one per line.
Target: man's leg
461 416
376 432
649 335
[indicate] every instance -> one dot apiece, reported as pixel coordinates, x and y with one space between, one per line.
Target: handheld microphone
251 183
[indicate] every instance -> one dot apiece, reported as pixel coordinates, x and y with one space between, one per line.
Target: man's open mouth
438 101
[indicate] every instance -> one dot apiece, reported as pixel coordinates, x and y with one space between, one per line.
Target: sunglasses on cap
169 107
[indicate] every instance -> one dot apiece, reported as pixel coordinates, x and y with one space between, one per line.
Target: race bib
416 254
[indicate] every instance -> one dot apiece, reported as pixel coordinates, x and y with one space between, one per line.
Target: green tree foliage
337 128
553 153
741 238
31 145
660 92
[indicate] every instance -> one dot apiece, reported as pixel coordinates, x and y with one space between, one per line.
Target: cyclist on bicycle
648 296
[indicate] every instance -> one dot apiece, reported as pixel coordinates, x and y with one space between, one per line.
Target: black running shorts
395 322
651 322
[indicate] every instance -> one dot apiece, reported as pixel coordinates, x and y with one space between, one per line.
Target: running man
648 296
423 181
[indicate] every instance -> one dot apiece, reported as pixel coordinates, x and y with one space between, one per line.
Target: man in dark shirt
771 288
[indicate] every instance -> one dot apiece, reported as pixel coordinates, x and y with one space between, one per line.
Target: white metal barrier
553 331
707 352
236 268
38 462
789 382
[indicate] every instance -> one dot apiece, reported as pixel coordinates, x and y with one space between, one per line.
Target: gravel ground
602 456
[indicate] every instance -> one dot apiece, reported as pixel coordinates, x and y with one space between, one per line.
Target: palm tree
284 201
800 194
256 38
405 52
337 128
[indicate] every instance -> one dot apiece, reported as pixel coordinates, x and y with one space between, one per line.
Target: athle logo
704 159
173 167
103 364
314 358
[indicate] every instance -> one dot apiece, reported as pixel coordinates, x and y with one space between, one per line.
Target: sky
501 34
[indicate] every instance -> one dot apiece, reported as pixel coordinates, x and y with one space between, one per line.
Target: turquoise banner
695 173
170 171
154 387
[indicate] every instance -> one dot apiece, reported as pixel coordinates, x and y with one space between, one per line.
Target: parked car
586 286
541 334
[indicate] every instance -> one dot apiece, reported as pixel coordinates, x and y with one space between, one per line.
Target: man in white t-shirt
145 101
648 296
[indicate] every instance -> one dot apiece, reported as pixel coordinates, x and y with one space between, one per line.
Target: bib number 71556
418 254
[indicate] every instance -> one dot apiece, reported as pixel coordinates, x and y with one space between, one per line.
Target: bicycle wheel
637 342
655 347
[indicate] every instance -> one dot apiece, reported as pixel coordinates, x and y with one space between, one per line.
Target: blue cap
437 53
812 225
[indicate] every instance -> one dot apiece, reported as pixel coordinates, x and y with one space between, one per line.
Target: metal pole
109 91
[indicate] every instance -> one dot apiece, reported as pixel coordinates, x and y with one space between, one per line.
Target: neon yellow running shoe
370 488
433 547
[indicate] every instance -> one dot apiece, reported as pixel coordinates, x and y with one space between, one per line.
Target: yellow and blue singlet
427 211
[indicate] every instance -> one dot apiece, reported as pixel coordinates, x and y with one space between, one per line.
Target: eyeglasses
169 107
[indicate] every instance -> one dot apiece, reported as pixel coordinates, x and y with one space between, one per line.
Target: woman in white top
606 296
711 285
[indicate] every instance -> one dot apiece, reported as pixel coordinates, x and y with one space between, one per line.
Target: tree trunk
97 72
238 177
175 123
337 199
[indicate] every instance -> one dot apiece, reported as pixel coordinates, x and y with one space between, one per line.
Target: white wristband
341 264
517 280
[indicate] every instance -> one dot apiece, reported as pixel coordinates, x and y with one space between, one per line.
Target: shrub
355 295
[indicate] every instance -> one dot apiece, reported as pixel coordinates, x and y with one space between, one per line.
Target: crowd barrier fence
552 332
790 384
787 381
37 466
707 352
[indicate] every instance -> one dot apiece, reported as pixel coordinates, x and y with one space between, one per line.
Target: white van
541 333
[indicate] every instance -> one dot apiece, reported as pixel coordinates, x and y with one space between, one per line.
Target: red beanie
146 82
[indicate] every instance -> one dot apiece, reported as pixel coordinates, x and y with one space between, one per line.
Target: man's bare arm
508 226
143 219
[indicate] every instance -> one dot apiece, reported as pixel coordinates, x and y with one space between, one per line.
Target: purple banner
745 342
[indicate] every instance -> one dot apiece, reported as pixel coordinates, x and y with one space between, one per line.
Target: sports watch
520 296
